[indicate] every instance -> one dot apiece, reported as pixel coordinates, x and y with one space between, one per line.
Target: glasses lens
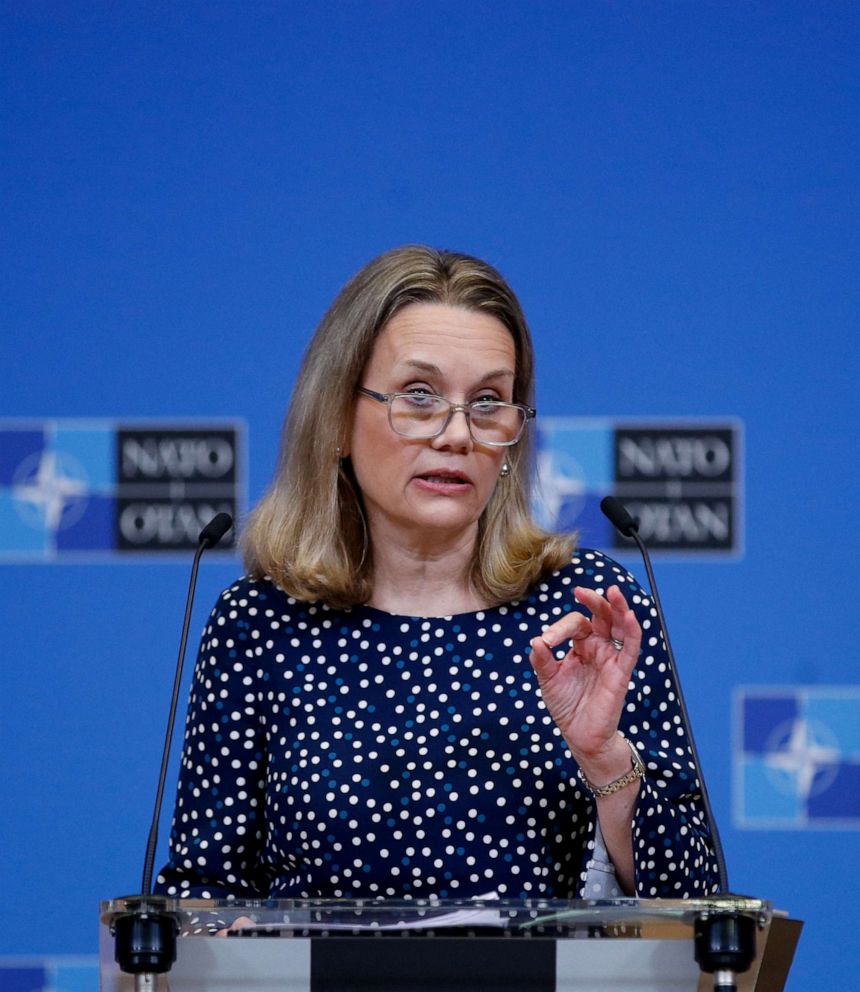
422 415
496 423
418 415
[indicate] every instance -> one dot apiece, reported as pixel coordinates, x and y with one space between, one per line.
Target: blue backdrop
671 188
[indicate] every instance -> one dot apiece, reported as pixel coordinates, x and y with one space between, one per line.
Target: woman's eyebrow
431 369
419 366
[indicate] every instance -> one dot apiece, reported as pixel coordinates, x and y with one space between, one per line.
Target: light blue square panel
22 528
76 977
93 449
770 796
838 716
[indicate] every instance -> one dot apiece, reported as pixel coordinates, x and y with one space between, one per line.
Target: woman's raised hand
585 691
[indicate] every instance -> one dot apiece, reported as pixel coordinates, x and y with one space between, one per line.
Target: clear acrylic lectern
623 945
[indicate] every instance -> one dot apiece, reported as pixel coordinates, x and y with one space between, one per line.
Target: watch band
636 772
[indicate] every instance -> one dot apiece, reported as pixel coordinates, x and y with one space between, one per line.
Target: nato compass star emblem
803 759
797 757
50 489
561 489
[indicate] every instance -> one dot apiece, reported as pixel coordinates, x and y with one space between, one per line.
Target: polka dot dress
356 753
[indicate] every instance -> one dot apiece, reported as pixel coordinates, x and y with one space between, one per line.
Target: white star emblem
51 490
802 752
560 482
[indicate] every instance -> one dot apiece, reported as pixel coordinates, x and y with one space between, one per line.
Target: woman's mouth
447 482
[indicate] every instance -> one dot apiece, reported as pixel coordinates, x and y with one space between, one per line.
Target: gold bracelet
636 772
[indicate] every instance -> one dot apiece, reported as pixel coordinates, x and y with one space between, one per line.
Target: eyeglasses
422 416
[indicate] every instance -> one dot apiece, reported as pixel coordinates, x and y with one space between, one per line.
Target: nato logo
797 757
81 489
680 480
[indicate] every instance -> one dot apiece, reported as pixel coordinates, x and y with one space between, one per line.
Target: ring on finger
616 643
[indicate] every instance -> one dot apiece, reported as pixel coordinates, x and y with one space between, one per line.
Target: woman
415 691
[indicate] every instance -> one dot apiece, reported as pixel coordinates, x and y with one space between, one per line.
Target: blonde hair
308 532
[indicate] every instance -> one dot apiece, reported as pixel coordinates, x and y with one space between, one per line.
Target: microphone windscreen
618 516
215 530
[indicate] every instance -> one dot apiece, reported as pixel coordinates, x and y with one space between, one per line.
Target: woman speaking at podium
415 691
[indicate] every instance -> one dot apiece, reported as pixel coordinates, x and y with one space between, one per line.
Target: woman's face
428 491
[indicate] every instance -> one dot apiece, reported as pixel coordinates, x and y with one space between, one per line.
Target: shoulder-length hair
308 533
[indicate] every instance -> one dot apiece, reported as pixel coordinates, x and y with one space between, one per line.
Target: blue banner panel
681 480
797 757
73 490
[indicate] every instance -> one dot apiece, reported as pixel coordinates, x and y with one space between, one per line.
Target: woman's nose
457 434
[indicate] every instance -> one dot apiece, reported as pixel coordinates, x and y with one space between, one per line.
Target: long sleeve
219 821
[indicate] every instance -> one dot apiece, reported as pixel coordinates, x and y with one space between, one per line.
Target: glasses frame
529 414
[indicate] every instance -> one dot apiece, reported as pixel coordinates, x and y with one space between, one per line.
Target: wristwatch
636 772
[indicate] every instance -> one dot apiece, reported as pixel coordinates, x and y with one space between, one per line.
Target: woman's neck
415 577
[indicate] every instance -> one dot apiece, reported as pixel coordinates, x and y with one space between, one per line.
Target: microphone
725 941
216 528
620 518
145 938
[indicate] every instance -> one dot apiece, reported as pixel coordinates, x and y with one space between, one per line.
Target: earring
505 471
338 452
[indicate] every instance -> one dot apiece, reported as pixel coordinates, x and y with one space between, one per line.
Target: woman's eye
420 398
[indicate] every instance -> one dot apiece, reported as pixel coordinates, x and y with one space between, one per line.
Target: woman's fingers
620 608
624 624
571 627
601 609
631 628
611 620
543 661
609 614
631 639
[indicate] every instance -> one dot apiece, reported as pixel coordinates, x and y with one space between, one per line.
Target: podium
620 945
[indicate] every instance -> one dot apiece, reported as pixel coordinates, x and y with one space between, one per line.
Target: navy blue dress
356 753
